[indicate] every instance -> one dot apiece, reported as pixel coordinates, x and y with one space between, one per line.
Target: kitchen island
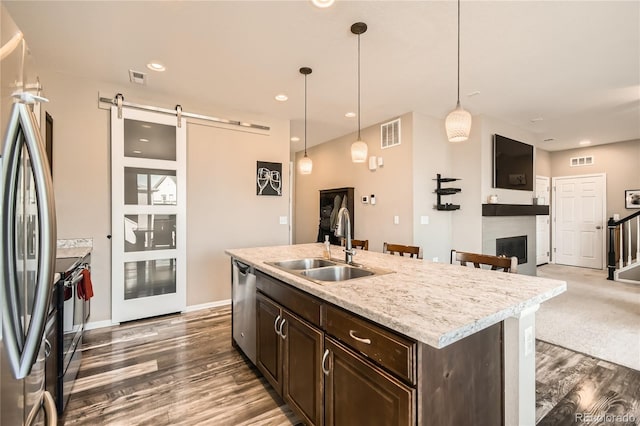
457 343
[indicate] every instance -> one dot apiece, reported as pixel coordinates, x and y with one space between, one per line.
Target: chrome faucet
343 229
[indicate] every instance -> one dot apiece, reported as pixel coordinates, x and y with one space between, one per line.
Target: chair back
358 244
412 251
507 264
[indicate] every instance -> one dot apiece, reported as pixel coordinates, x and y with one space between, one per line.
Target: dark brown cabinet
302 385
333 367
268 348
289 349
357 392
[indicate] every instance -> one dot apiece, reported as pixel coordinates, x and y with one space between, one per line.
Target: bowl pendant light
305 165
359 147
458 122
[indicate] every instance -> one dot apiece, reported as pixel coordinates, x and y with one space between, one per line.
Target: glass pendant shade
305 165
359 151
458 124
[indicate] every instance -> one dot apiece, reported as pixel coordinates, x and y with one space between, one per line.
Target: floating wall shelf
440 191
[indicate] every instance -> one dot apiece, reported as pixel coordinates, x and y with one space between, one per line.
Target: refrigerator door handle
50 409
22 349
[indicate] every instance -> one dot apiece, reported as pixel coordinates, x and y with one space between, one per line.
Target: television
512 164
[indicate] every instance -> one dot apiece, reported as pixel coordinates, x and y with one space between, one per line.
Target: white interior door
579 211
543 231
148 175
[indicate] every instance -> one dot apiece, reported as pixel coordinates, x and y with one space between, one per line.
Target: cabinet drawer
387 349
296 301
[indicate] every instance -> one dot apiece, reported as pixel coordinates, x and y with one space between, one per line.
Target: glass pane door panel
149 278
143 232
149 140
150 187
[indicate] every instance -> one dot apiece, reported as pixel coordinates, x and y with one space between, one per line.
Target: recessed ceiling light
295 139
584 142
281 97
549 140
156 66
350 114
476 93
535 120
144 140
137 152
146 126
323 3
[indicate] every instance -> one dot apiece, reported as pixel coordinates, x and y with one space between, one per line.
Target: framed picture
268 178
632 199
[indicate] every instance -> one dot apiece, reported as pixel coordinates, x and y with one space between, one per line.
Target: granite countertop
77 247
434 303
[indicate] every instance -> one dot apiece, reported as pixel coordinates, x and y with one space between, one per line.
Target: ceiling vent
390 134
581 161
137 77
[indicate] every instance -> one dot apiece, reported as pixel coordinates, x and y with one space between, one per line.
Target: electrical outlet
424 220
435 259
283 220
365 199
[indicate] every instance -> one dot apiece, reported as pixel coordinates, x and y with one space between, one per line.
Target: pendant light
305 165
458 122
359 147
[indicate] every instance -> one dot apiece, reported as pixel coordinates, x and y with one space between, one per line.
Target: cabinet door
269 343
302 386
358 393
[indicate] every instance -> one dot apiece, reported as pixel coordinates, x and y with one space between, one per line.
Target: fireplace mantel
514 210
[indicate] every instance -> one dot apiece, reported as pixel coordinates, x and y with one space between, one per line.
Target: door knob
598 227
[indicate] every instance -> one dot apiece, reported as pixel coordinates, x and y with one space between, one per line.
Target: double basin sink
324 270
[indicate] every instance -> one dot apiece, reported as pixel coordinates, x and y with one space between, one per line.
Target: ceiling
565 70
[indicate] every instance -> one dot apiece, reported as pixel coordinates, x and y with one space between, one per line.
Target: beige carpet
594 316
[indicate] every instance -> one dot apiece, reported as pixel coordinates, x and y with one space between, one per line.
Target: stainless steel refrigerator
27 244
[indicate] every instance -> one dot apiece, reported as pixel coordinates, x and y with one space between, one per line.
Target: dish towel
85 287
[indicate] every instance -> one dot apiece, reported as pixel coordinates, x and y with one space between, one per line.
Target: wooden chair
412 251
359 244
507 264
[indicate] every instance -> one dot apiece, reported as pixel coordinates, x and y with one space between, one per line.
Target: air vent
581 161
137 77
390 134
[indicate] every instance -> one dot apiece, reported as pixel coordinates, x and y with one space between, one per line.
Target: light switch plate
396 220
283 220
424 220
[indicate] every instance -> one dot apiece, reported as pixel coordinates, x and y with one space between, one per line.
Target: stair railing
625 240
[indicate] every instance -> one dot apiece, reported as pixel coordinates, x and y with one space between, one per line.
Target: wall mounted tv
512 164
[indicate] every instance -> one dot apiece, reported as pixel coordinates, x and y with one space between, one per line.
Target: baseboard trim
98 324
108 323
209 305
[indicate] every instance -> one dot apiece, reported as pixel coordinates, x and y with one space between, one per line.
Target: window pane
143 232
149 278
149 140
150 187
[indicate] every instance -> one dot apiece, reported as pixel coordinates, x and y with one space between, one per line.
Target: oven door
72 323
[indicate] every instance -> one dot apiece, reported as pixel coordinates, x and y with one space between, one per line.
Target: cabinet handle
275 325
280 329
324 360
352 333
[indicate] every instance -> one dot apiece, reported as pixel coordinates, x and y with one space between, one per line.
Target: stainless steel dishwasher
244 308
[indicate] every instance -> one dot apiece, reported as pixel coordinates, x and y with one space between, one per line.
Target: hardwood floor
182 370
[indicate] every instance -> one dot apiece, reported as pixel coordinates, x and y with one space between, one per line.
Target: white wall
431 155
223 209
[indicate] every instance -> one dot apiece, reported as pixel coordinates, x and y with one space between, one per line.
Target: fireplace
513 246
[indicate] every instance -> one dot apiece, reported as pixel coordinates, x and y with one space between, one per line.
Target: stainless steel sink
325 271
300 264
337 273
